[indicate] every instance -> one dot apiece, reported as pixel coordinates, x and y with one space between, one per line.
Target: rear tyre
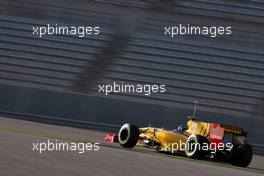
242 155
194 145
128 135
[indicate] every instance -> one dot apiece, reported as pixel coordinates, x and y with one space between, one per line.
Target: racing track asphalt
18 159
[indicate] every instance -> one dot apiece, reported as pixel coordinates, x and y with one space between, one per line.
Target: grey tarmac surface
18 159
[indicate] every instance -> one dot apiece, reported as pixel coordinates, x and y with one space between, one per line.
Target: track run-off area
17 156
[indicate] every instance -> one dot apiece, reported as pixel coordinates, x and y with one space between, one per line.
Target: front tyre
128 135
194 145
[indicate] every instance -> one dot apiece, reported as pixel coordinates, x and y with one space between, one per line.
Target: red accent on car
111 137
216 134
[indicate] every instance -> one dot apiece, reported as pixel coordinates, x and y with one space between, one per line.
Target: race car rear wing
237 131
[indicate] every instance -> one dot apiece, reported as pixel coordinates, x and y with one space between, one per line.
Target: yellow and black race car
197 140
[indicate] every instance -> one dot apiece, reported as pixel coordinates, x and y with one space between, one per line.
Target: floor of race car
18 158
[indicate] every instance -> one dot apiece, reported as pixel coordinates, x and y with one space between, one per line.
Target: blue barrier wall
104 113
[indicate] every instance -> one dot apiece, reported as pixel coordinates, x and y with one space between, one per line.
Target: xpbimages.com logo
145 89
212 31
80 31
57 145
210 147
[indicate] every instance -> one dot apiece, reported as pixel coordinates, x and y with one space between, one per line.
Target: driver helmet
182 128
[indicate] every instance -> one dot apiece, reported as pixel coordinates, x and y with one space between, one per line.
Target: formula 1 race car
198 140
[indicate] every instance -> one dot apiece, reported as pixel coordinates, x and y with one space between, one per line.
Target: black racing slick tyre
242 155
194 145
128 135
